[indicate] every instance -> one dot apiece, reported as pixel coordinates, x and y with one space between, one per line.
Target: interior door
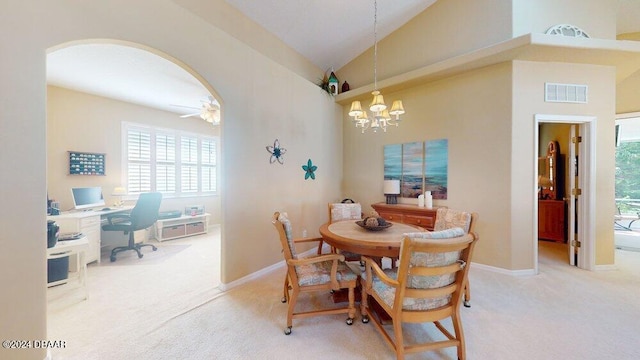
572 206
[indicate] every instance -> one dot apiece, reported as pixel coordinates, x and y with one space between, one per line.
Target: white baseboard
257 274
516 273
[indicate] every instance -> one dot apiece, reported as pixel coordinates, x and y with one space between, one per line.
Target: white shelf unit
185 225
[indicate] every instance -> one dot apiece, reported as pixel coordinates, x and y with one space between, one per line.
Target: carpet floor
173 310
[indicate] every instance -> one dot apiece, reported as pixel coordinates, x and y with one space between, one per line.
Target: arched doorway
95 88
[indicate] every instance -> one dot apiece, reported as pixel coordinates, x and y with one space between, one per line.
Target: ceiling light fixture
380 117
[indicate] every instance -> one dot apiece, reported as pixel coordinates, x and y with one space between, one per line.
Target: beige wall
444 30
472 111
82 122
539 15
262 100
528 100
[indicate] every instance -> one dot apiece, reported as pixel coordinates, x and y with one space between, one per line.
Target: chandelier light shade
380 116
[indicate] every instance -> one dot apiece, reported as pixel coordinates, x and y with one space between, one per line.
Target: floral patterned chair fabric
427 286
448 218
318 273
343 212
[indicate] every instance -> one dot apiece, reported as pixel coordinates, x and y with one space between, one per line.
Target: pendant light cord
375 45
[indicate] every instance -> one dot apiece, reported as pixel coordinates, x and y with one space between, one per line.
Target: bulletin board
84 163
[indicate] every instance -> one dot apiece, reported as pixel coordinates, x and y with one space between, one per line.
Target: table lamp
119 192
392 190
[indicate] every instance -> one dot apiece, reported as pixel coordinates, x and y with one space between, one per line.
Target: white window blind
165 163
169 161
138 161
208 165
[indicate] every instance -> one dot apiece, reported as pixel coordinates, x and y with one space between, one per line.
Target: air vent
565 93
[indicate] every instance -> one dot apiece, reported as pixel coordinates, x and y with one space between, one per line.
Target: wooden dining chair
318 273
340 212
427 286
449 218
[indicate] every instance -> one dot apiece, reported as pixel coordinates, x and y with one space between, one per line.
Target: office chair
142 216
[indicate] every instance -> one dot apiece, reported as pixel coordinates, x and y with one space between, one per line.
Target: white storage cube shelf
182 226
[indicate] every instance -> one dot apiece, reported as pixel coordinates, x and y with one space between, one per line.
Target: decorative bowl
373 228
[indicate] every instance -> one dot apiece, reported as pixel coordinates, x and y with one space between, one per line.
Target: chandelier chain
375 45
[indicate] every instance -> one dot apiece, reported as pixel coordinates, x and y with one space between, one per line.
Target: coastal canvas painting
436 160
393 162
420 166
412 169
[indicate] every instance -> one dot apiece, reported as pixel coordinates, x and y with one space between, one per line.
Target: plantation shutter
138 161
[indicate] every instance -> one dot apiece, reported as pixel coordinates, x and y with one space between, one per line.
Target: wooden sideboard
407 214
551 220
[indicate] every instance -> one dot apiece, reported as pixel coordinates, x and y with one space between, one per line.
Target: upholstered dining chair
318 273
427 286
449 218
340 212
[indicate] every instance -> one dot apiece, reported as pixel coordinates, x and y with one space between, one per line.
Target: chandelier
380 116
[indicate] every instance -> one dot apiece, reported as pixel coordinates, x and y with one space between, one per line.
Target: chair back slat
430 293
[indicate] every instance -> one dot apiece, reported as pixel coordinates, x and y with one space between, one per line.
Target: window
172 162
627 177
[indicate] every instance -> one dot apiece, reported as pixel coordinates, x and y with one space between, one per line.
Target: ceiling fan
209 111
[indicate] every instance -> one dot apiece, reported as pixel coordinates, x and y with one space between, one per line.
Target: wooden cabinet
551 220
407 214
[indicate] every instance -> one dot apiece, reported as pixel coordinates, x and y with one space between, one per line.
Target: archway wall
262 101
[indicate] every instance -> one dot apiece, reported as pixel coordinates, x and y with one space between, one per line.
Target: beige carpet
171 310
149 257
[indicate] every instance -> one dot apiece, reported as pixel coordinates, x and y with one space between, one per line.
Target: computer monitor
87 197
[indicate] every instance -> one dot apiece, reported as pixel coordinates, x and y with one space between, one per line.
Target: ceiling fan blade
187 107
190 115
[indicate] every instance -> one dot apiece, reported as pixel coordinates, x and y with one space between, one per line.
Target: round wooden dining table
348 236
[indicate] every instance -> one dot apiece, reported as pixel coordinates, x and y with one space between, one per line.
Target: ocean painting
436 162
420 166
393 162
412 169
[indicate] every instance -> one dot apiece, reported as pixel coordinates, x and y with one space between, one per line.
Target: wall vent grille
565 93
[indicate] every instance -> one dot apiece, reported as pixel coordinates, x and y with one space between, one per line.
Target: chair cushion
320 273
284 219
447 218
341 211
442 234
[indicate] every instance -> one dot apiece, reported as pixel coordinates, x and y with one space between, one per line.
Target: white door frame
586 182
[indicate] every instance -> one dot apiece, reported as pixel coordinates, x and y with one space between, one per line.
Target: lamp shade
119 191
356 109
377 103
391 187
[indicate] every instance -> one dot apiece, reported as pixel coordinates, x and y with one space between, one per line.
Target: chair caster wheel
287 331
154 248
140 256
112 258
350 321
466 304
365 319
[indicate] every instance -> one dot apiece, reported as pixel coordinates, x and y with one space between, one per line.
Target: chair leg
292 304
399 343
352 305
364 305
320 247
467 295
457 327
285 293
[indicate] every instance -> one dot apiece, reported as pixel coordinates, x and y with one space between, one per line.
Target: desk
87 222
78 247
347 235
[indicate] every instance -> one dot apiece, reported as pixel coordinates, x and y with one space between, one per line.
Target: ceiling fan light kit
209 112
